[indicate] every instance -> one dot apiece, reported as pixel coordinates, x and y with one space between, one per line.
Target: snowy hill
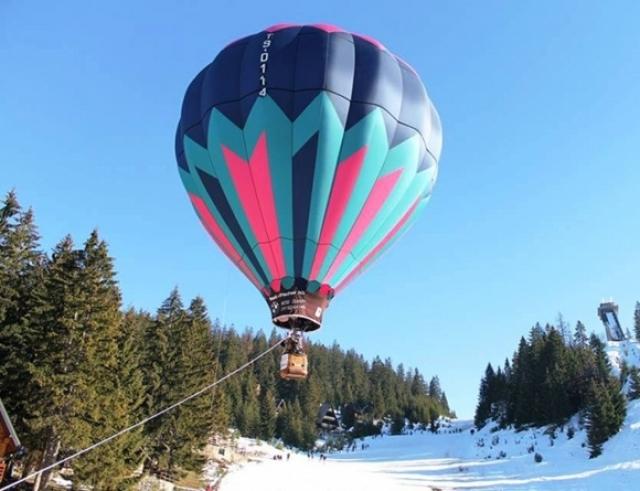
459 458
456 459
620 352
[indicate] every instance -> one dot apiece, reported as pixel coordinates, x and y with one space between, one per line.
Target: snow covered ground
457 459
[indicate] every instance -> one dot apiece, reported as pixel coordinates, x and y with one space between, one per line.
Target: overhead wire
142 421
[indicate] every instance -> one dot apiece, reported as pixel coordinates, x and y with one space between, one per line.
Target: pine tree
107 406
21 276
220 411
231 357
634 384
563 328
580 336
58 356
196 355
636 321
554 360
310 400
379 405
435 391
294 434
485 397
445 404
184 365
602 365
130 374
160 378
249 420
619 405
418 384
599 414
520 395
268 415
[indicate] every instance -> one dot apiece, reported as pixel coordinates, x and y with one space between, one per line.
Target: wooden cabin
9 442
328 418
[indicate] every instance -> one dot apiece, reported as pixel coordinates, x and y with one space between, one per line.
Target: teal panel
400 233
414 192
369 131
321 117
405 157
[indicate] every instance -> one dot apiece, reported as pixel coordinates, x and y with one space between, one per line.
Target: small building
328 418
9 441
608 313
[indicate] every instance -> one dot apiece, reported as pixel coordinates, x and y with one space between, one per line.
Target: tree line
75 367
552 376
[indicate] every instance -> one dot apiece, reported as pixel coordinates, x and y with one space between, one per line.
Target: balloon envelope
305 151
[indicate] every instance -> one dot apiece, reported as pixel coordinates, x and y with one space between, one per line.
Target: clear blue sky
537 208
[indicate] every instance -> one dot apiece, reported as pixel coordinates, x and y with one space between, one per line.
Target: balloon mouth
296 308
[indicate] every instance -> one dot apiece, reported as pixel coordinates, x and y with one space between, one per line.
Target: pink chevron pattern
379 194
343 184
379 247
252 180
220 238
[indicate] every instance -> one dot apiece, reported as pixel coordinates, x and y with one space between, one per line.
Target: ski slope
456 458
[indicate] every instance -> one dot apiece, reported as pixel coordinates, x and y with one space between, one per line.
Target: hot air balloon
305 151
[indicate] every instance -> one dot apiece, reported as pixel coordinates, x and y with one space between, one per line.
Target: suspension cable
142 421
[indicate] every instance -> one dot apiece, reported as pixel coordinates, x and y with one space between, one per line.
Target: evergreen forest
76 367
553 375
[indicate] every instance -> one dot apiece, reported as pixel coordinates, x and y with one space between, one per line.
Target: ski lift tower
608 313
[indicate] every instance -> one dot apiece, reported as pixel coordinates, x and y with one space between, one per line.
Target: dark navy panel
191 115
197 134
302 61
206 119
311 60
280 69
301 100
427 162
215 192
179 149
304 164
402 133
222 78
285 36
341 105
391 125
377 77
357 111
236 111
414 101
285 101
341 65
250 64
